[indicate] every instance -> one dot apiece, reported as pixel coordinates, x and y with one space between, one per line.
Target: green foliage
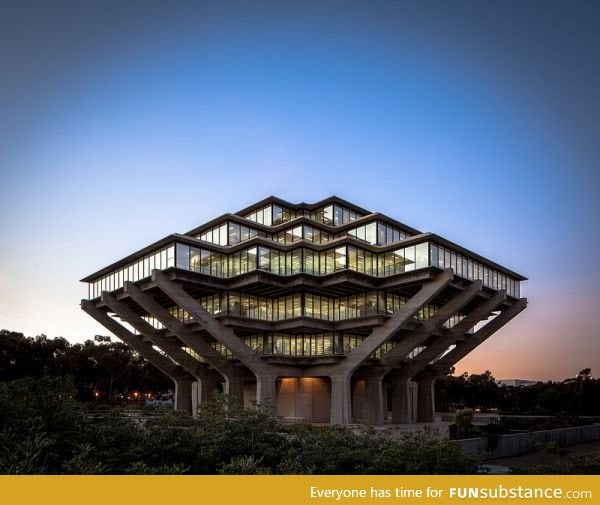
101 370
424 452
464 419
45 430
243 465
116 442
41 425
84 462
24 452
141 468
571 397
580 464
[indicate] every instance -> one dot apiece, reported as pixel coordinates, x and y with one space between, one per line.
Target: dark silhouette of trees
103 370
576 396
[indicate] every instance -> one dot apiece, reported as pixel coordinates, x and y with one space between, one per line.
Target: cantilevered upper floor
320 239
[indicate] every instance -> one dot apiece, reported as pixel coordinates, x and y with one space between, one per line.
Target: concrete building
326 312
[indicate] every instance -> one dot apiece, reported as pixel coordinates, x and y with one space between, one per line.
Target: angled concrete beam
145 349
266 374
191 364
382 333
341 406
213 357
180 378
401 409
232 375
219 332
422 333
428 375
465 347
450 337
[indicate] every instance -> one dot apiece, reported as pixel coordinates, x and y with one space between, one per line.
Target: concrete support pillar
183 394
402 402
234 387
341 404
196 400
208 387
375 404
425 399
266 393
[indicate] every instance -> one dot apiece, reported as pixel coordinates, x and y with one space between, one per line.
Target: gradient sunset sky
122 122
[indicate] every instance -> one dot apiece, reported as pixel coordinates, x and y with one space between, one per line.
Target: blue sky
123 122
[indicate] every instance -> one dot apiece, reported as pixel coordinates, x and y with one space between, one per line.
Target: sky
123 122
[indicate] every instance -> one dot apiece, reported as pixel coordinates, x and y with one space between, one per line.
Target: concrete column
183 394
196 400
425 399
401 402
341 405
358 399
374 400
234 387
208 387
266 392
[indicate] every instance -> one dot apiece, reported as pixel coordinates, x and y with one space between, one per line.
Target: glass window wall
398 261
140 269
271 215
303 344
230 233
468 268
334 215
377 233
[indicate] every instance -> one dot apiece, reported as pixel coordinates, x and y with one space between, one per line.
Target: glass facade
334 215
302 260
302 344
377 233
305 260
302 232
230 233
139 269
372 303
465 267
271 215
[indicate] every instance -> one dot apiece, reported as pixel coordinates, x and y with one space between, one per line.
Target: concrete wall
305 398
520 443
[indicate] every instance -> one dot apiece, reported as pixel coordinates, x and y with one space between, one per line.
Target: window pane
328 215
340 258
371 233
338 215
183 256
223 235
277 215
234 234
422 256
